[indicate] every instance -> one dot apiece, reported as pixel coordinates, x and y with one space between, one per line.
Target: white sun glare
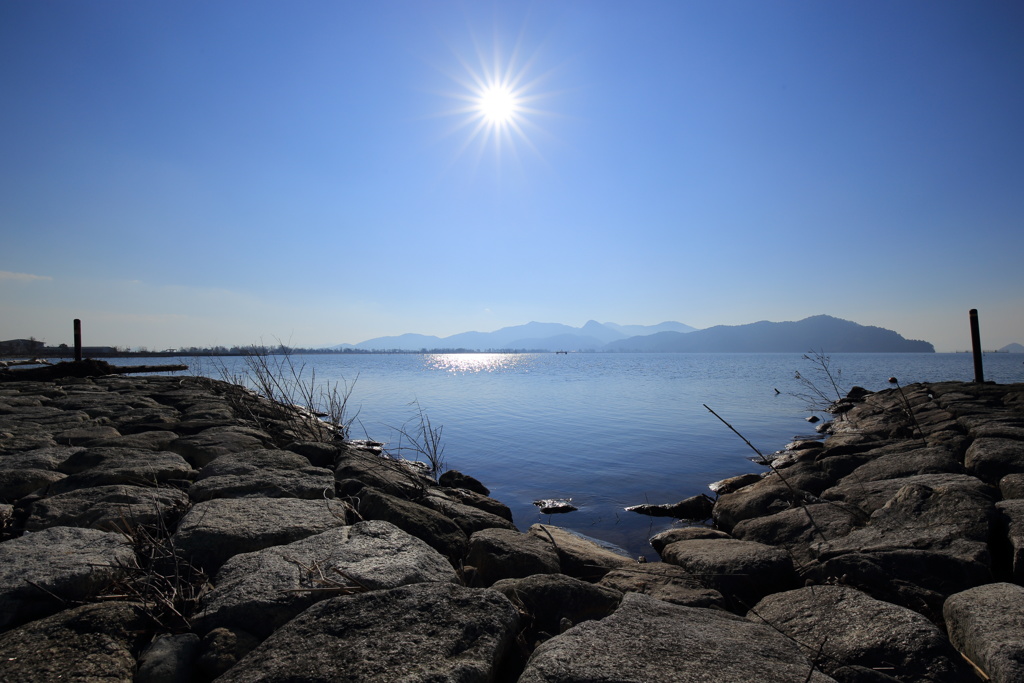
498 95
498 104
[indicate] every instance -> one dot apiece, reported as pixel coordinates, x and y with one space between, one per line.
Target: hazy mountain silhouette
539 336
1013 348
819 332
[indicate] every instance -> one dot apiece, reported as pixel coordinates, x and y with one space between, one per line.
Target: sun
498 104
498 98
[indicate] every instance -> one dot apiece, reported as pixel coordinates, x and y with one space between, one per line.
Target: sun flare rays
497 97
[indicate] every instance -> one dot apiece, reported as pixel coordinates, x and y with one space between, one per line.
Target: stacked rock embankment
183 529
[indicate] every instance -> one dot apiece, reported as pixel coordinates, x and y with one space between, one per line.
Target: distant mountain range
817 333
535 336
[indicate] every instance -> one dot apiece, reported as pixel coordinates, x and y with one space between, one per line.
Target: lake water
606 430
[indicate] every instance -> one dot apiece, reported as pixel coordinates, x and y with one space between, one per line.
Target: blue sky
196 173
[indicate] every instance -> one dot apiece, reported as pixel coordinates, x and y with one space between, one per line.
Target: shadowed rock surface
326 558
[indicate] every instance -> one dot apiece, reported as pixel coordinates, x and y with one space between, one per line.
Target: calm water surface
607 430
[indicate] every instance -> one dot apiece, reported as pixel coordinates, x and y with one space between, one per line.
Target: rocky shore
182 529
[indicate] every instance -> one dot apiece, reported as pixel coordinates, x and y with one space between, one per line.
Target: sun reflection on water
474 362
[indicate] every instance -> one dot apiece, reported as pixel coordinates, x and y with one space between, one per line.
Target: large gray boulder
914 460
872 495
216 530
18 483
991 458
928 542
650 641
579 556
468 517
262 590
265 472
507 554
552 601
110 508
799 529
41 572
665 582
742 571
417 634
436 529
87 643
203 448
850 628
106 466
986 624
1011 527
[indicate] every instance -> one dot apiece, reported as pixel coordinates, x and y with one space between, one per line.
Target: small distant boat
557 352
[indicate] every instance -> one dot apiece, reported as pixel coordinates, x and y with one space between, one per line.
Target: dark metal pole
78 339
979 372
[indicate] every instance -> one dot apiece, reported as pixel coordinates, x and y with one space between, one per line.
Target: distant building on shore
21 346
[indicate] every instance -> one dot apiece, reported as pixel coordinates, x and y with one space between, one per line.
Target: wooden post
78 340
979 372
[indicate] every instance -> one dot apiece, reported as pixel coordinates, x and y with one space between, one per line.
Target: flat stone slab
650 641
260 591
87 643
507 554
214 531
203 448
39 570
742 571
105 466
109 508
850 628
665 582
579 556
421 633
986 623
264 472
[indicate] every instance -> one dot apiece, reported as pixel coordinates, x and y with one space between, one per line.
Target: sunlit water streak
607 430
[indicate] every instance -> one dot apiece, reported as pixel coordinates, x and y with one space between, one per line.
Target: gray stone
548 599
85 435
482 502
992 458
169 659
907 463
40 572
86 643
469 518
18 483
985 624
437 530
919 530
109 508
665 582
650 641
105 466
799 529
686 533
1011 517
724 486
871 495
580 556
457 480
216 530
849 628
1012 486
506 554
260 591
40 458
222 648
157 440
203 448
694 508
393 477
416 634
742 571
264 473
